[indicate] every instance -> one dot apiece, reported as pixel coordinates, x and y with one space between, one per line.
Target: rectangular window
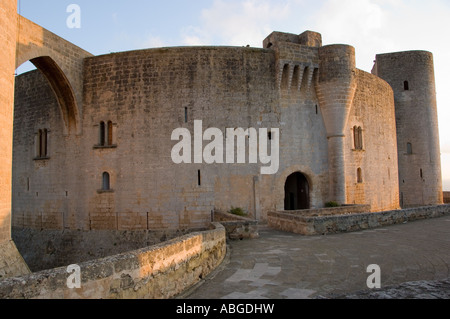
110 133
199 178
185 115
42 144
106 135
406 85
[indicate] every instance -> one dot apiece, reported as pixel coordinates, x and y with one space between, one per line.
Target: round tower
411 75
336 89
8 37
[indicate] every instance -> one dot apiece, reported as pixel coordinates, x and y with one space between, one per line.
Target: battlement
307 38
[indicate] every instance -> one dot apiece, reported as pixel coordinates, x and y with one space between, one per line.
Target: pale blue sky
371 26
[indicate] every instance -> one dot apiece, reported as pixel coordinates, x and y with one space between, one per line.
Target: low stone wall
47 249
447 197
158 272
321 225
237 227
331 211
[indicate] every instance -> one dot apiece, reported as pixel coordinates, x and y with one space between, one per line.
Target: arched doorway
296 192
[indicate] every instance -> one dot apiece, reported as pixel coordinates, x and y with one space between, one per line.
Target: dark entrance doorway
296 192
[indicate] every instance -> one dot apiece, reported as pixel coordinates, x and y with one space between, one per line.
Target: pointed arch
62 89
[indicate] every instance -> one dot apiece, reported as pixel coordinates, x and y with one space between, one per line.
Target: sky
371 26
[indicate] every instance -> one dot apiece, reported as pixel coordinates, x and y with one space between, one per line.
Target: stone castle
92 135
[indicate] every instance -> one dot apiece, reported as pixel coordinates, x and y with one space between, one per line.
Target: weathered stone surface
155 272
411 75
147 94
437 289
340 221
237 227
45 249
11 262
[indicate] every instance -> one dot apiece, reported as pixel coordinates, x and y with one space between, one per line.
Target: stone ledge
237 227
157 272
330 224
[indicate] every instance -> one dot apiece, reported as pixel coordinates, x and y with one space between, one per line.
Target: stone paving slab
414 259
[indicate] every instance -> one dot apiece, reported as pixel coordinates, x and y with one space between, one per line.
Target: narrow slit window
359 175
110 133
406 85
102 134
409 149
199 178
42 144
185 115
358 138
106 183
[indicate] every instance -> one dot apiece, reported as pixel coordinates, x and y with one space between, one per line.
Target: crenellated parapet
296 59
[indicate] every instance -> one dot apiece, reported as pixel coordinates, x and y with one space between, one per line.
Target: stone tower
411 75
336 89
8 37
11 263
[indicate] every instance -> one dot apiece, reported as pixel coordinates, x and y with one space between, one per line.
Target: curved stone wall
141 97
157 272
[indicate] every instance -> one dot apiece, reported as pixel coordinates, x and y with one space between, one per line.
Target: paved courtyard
287 266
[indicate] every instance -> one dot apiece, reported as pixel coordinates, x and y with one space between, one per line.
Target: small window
42 144
406 85
359 174
186 115
357 138
199 178
102 134
106 135
285 77
106 186
409 149
110 133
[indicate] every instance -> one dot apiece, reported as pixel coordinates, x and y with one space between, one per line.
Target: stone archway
62 64
296 192
63 91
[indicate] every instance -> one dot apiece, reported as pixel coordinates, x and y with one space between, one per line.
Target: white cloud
237 23
371 26
152 41
381 26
